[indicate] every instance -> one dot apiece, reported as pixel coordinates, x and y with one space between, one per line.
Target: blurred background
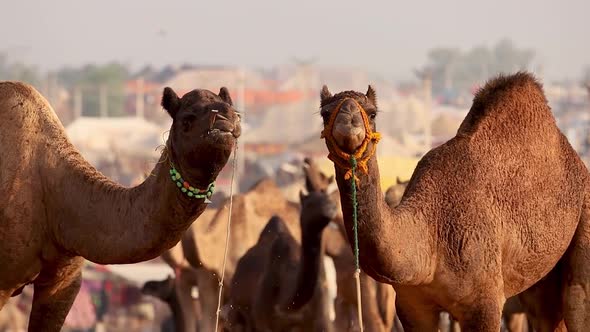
103 65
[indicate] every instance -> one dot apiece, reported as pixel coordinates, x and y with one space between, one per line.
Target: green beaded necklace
189 190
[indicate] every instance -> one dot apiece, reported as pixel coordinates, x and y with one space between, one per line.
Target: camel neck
107 223
309 269
390 240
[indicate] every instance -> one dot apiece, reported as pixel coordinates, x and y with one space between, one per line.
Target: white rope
359 305
227 234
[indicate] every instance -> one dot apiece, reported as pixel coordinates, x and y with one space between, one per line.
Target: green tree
18 72
457 71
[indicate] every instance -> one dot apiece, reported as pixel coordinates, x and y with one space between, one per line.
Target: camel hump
508 102
263 185
20 90
274 226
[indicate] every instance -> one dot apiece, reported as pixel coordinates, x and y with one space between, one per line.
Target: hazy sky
383 36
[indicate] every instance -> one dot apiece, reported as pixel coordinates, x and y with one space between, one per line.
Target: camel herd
492 226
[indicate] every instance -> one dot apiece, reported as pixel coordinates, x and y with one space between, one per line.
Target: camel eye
372 116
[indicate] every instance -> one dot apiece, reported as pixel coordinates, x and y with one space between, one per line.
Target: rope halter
342 158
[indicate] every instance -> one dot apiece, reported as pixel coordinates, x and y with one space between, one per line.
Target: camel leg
541 302
577 284
484 317
415 314
54 293
208 292
516 322
444 322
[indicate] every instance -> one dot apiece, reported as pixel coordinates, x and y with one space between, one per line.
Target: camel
484 217
169 290
251 211
187 277
393 194
277 283
58 210
182 303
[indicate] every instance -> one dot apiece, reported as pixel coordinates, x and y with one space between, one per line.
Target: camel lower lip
219 132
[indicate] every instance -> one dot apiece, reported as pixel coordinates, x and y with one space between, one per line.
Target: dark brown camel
484 217
278 284
170 290
57 209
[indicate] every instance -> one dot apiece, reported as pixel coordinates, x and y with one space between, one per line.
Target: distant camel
203 244
185 315
278 283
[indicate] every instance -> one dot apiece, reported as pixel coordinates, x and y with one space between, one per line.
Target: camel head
317 210
315 179
205 127
348 128
162 289
394 194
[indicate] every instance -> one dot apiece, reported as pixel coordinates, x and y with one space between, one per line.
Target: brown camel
378 301
393 194
57 209
484 217
203 245
187 277
185 280
278 283
170 290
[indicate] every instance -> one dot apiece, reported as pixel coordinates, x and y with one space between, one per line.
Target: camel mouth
349 144
223 127
348 132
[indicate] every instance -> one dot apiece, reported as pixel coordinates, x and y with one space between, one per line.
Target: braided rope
357 271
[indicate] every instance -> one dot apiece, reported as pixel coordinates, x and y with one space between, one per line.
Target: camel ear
170 101
371 95
224 95
325 93
399 181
